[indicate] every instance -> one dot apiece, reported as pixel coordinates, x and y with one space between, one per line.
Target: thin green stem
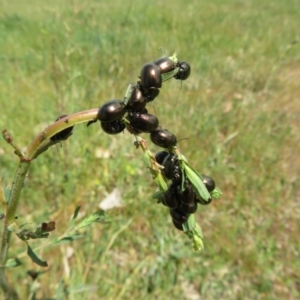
16 190
47 133
9 292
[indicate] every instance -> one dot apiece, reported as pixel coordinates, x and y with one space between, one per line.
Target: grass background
239 110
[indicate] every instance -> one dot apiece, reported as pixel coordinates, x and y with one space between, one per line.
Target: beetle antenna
57 146
182 139
153 106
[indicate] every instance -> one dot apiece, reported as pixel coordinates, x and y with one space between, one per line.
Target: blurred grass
239 110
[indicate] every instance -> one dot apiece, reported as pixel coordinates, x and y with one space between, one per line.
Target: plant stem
37 146
47 133
9 292
16 190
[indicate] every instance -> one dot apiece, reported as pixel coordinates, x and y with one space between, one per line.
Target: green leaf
75 215
194 232
161 182
169 75
216 193
98 216
4 194
197 241
128 93
10 228
190 224
35 258
158 195
197 182
13 262
157 176
68 239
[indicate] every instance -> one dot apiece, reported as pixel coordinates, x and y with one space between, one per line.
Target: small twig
9 139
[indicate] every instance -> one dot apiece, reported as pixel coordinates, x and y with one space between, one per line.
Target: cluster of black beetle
180 197
146 90
182 201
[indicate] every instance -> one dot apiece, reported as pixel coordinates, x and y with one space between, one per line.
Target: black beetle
187 196
64 134
171 168
114 127
142 122
209 183
165 64
170 198
178 215
184 71
151 76
163 138
150 94
111 110
203 202
188 208
160 156
177 224
137 101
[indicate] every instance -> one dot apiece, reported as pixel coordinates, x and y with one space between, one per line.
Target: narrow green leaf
10 228
128 93
157 194
181 165
35 258
197 243
161 182
194 232
68 239
197 182
77 209
97 216
4 194
13 262
190 224
169 75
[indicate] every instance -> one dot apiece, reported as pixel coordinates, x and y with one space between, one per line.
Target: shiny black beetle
163 138
64 134
165 64
184 71
114 127
151 76
142 122
137 100
111 110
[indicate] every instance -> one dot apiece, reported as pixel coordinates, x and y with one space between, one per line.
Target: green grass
239 111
